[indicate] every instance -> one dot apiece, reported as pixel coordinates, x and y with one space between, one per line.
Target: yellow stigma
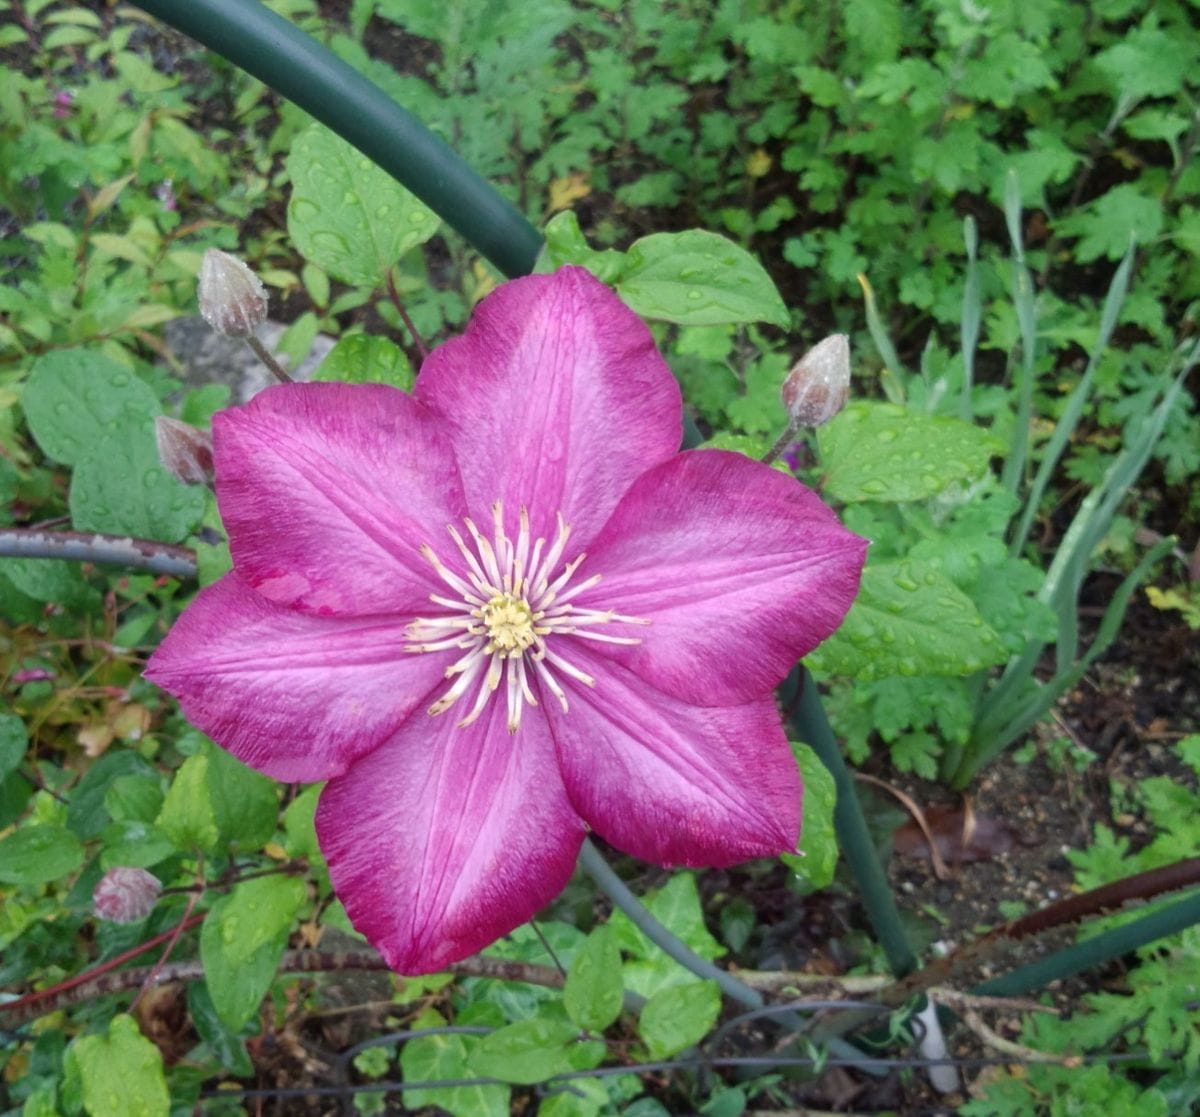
510 625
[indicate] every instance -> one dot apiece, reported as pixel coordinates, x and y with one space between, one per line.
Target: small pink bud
125 895
232 298
816 388
186 452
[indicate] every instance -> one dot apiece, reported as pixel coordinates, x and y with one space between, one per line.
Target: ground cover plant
989 214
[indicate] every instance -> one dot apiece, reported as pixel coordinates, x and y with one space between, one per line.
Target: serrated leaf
242 940
909 620
526 1052
566 244
120 1074
818 850
366 359
39 854
594 992
697 278
884 452
438 1058
187 816
679 1017
346 215
76 395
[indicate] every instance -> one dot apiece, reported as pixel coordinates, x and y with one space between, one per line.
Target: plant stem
854 839
616 890
94 546
398 303
295 65
268 359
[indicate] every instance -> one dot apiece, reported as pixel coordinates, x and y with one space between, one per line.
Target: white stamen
510 604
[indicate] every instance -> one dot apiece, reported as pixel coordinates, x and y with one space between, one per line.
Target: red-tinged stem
398 303
56 992
173 941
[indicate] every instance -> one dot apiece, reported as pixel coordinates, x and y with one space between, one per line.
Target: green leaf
566 244
679 1017
818 850
39 854
187 816
120 1074
582 1097
242 940
245 804
884 452
75 396
13 743
439 1057
697 278
366 359
526 1052
909 619
346 215
594 992
86 813
298 824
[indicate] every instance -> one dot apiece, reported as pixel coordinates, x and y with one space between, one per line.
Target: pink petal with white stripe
328 491
555 398
673 783
739 569
446 838
295 696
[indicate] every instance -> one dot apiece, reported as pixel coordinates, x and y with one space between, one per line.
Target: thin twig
398 303
939 865
268 359
94 546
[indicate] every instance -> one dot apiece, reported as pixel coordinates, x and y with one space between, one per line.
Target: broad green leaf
440 1057
55 581
677 907
679 1017
566 244
39 854
346 215
120 1074
134 798
75 396
526 1052
884 452
697 278
367 359
581 1097
298 824
909 619
226 1045
86 813
594 992
818 851
242 940
245 804
13 743
187 816
119 486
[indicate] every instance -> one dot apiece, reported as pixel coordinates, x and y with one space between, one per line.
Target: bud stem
781 443
264 355
394 295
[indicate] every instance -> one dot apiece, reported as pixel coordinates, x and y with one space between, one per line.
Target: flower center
504 614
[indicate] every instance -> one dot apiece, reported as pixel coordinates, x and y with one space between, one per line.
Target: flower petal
446 838
295 696
328 491
556 399
673 783
739 569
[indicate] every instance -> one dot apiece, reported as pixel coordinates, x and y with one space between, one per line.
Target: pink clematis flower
505 610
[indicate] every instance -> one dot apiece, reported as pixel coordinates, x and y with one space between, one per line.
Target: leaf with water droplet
346 215
919 623
118 1073
885 452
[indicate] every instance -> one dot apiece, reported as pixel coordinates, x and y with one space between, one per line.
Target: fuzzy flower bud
232 298
816 388
125 895
186 452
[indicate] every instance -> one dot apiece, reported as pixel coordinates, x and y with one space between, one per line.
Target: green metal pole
299 68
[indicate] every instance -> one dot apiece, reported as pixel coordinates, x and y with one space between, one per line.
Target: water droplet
695 295
886 436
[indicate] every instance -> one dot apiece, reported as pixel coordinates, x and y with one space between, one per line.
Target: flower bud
232 298
125 895
816 388
186 452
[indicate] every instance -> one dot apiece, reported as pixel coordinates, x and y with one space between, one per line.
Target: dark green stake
299 68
